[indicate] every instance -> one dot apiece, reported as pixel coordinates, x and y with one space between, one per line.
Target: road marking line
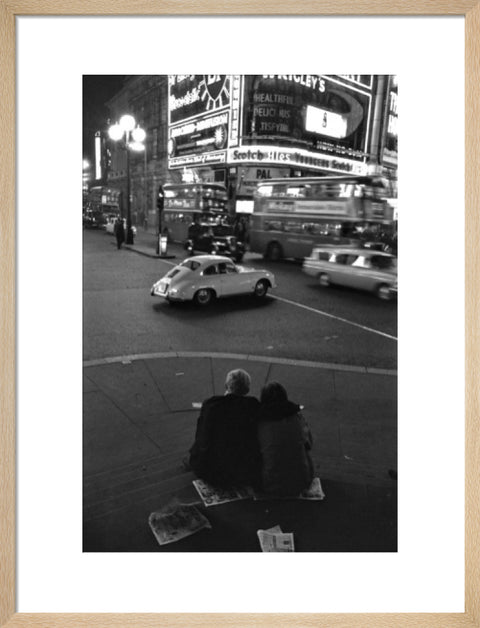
338 318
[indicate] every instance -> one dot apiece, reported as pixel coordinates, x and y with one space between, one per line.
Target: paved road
300 321
139 413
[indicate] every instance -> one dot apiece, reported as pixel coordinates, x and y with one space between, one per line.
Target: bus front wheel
274 252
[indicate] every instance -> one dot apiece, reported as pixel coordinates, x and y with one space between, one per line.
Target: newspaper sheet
176 521
212 496
274 540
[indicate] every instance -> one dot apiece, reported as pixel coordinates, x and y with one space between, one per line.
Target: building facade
144 97
241 129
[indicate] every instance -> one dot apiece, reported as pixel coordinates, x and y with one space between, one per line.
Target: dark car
215 240
93 219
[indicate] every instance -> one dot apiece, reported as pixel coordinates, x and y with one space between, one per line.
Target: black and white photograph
240 257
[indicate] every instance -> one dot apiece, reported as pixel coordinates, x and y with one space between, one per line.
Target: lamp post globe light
132 137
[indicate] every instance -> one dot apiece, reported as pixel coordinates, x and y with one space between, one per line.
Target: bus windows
265 190
348 229
273 225
187 202
325 210
346 190
309 227
297 191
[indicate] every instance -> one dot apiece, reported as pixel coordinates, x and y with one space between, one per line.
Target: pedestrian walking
119 230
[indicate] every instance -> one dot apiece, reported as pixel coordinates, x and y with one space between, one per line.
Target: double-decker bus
292 215
102 203
186 203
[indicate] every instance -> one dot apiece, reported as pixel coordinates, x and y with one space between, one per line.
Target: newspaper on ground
213 496
176 521
274 540
313 493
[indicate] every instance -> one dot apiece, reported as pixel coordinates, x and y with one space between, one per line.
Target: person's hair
238 382
273 393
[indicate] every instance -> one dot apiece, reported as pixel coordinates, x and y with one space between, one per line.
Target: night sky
97 90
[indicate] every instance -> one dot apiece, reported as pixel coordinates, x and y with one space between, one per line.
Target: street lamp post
133 137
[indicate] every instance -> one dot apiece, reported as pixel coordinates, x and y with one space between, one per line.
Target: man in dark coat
225 452
119 230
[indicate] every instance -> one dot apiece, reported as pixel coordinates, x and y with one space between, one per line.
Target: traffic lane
384 325
120 317
277 328
293 283
361 307
138 323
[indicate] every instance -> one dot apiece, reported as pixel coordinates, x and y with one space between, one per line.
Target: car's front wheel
203 297
261 289
324 280
384 292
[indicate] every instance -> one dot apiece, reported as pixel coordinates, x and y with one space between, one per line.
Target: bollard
163 245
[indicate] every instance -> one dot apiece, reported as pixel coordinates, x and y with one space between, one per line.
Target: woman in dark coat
285 441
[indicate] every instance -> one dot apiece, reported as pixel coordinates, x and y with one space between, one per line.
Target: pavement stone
139 422
109 437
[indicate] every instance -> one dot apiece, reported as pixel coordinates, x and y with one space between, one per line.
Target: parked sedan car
203 278
364 269
214 239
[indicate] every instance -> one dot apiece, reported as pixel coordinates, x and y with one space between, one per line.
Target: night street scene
240 313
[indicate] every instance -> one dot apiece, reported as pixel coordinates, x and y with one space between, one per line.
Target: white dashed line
337 318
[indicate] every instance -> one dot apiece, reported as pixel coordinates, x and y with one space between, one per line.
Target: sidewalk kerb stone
307 363
206 354
376 371
238 356
146 252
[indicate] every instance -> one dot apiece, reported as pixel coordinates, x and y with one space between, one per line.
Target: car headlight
173 291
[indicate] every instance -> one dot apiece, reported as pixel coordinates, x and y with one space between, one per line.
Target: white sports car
203 278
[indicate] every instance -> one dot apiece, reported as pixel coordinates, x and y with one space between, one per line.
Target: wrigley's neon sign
307 80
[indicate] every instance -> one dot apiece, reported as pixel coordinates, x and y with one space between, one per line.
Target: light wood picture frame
9 11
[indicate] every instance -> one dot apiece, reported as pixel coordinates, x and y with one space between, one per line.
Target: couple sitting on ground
243 442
